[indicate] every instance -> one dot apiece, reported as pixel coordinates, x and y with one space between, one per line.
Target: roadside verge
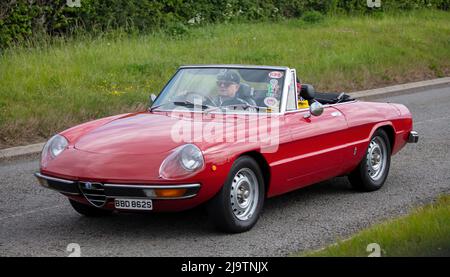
402 89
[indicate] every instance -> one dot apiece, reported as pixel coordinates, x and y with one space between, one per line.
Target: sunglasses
225 83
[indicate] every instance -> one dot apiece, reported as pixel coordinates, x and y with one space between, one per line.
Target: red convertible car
227 136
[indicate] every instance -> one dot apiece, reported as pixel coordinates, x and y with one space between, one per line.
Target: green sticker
269 90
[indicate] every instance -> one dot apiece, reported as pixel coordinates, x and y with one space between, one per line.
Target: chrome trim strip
181 186
64 193
340 103
295 88
100 190
50 188
152 198
95 195
39 175
292 75
297 110
324 106
234 66
283 99
220 113
102 201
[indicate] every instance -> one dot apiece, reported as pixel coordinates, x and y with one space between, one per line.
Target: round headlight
184 161
191 157
53 148
58 144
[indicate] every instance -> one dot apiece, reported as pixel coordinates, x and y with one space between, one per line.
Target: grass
46 89
424 232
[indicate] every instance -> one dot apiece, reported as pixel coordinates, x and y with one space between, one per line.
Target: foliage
22 20
312 17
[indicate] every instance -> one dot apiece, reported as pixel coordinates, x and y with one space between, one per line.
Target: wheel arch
358 176
264 166
389 129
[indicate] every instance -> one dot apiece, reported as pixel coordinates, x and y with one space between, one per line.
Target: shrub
25 19
312 17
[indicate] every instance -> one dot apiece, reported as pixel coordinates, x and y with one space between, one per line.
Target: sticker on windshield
271 102
273 82
269 90
276 74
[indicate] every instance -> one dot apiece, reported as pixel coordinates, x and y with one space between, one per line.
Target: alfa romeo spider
228 137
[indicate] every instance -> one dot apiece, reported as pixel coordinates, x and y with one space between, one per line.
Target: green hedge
22 20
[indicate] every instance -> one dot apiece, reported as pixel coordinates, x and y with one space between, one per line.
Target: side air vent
94 193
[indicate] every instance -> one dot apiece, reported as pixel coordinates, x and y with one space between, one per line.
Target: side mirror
316 108
152 97
307 92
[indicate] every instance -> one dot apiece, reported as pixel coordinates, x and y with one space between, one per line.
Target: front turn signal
170 192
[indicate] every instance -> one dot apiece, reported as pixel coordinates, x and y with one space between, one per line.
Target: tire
88 211
373 170
238 205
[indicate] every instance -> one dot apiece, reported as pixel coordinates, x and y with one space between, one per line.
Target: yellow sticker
303 104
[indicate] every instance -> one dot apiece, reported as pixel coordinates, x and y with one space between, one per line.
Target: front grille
94 193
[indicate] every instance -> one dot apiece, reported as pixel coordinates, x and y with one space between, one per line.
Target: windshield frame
283 99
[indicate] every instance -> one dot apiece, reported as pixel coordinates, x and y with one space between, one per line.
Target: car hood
152 133
141 133
133 146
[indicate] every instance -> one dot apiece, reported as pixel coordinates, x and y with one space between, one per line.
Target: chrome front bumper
86 188
413 137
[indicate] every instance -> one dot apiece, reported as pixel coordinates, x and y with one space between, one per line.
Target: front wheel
237 206
372 171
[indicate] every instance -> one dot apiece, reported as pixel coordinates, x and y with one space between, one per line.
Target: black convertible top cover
331 97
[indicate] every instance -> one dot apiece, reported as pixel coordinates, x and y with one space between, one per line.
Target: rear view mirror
307 92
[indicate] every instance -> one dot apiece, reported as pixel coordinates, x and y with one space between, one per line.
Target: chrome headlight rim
184 161
55 146
191 161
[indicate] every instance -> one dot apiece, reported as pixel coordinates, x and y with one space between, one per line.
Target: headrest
245 91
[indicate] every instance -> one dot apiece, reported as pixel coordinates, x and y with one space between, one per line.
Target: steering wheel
192 96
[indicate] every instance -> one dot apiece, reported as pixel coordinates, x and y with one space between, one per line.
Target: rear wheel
87 210
373 170
237 206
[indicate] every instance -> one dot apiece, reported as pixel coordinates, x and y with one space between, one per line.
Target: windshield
223 89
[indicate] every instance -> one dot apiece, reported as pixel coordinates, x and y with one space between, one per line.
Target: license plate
133 204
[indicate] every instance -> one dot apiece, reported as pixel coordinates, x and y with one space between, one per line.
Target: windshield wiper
187 103
151 109
243 105
184 103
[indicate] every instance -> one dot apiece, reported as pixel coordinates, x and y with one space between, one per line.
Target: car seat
245 93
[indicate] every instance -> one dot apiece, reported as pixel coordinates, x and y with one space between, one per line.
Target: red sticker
276 74
271 102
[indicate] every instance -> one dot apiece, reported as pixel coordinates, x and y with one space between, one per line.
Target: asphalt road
38 222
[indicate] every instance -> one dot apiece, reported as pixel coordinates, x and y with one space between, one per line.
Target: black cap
229 76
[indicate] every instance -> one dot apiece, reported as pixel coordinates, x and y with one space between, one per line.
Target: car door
317 142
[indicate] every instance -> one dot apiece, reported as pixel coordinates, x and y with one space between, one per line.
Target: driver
228 83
